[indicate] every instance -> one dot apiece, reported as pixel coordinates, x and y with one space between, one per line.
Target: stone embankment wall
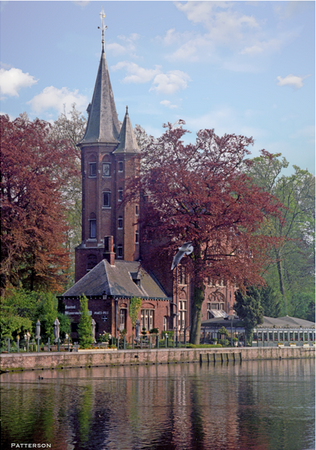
96 358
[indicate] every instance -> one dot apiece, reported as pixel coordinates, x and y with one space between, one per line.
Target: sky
238 67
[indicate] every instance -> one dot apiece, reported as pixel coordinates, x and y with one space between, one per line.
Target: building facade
107 262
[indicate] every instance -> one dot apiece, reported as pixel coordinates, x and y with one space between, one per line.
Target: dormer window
136 277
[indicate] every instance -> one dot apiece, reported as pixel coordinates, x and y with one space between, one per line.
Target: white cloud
115 48
127 47
224 24
261 47
81 3
135 73
12 80
58 100
166 83
291 80
168 104
170 82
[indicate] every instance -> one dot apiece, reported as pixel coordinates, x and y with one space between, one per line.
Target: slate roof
117 280
285 322
268 322
103 124
128 143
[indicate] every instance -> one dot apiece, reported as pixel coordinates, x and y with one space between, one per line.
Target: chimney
108 254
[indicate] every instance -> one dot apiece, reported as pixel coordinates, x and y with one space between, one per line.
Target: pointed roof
103 124
128 143
117 280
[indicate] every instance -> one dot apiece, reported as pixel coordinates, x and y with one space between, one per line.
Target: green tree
292 274
18 312
270 302
134 308
249 309
85 326
47 315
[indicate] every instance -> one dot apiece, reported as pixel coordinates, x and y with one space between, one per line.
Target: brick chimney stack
108 254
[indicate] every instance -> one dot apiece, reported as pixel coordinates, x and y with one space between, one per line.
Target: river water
242 406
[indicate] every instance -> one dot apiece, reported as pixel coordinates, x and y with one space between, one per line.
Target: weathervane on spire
103 27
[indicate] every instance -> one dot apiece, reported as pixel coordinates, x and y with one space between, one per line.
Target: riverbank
91 358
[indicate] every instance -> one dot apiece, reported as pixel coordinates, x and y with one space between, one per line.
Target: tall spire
103 124
128 143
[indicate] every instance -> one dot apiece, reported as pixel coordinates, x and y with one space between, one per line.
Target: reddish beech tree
197 192
33 167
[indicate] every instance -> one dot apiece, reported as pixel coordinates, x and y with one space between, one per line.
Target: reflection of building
107 267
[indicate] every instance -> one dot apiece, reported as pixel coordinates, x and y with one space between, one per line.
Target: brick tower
109 156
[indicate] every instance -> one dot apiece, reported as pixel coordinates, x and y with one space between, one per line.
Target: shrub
85 326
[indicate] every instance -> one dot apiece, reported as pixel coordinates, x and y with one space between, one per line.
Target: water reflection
253 405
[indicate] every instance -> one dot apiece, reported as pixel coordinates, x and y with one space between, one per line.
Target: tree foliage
20 310
70 128
33 167
134 308
85 326
291 274
198 192
249 309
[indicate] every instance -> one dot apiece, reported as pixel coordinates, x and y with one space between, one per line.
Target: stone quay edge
90 358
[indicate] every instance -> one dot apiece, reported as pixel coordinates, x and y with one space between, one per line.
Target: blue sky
239 67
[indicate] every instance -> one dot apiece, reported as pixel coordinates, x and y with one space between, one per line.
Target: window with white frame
182 314
120 166
147 319
120 194
120 223
123 314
